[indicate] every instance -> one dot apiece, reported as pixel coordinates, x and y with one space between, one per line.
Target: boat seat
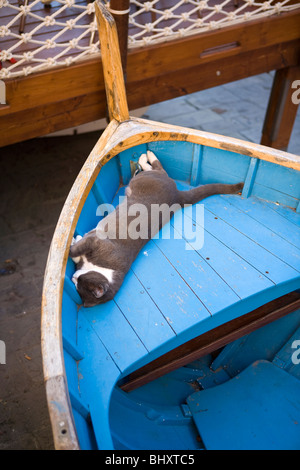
258 409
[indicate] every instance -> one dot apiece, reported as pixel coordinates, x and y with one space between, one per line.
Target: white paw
75 240
151 156
143 161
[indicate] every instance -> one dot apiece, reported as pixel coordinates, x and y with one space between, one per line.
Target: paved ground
36 177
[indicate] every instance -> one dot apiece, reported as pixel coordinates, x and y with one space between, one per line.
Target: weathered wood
120 12
212 340
112 68
281 112
76 95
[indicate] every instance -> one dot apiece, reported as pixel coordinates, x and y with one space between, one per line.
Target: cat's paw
76 239
151 156
143 161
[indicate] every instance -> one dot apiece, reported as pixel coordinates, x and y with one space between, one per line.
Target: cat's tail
197 194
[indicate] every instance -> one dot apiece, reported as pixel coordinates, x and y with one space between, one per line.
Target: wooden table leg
282 110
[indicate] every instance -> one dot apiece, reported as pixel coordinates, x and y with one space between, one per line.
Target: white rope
119 12
66 32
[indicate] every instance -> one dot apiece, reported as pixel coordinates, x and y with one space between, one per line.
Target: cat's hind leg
155 163
143 161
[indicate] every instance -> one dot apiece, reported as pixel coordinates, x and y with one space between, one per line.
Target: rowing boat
199 348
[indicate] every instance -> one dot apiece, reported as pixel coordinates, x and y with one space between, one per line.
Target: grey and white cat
102 262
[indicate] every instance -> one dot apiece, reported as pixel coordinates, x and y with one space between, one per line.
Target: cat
103 256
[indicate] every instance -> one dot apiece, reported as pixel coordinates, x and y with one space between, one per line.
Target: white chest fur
87 266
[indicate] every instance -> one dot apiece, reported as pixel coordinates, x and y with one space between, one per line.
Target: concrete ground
36 177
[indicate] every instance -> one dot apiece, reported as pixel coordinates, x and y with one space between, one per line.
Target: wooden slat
260 234
269 219
212 340
277 270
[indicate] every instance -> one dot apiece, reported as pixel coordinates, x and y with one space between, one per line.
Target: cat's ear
99 291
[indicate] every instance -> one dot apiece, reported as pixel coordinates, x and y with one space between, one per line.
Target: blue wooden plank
98 374
175 157
264 261
108 180
250 178
265 417
262 343
72 349
285 212
221 166
142 313
196 167
69 317
70 288
269 219
222 207
209 287
277 183
124 161
85 224
119 338
239 275
177 302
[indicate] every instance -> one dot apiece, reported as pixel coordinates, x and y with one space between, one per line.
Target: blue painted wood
97 374
223 207
70 288
263 343
196 167
142 313
265 417
221 166
288 357
87 223
137 425
207 285
265 262
72 349
250 178
285 212
268 218
276 183
117 335
69 317
175 157
108 180
177 302
79 405
124 161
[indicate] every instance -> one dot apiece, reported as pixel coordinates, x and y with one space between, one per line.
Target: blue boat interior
214 262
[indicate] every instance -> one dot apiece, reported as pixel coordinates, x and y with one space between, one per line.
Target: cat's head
93 288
